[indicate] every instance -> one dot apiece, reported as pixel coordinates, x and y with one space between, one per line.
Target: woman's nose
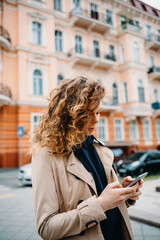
95 118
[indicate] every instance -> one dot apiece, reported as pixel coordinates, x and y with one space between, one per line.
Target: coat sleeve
52 224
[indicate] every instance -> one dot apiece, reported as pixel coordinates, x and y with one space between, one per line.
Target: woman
76 191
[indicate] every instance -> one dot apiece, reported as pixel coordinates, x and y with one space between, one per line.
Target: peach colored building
115 42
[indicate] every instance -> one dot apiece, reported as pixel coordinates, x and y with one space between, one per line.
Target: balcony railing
110 106
5 40
91 19
92 58
154 73
5 94
153 41
126 26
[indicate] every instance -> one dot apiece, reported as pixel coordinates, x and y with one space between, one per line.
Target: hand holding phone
138 179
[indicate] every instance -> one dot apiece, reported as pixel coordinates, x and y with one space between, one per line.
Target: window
102 129
35 119
140 91
122 53
37 33
136 52
109 17
112 53
94 11
158 35
149 33
126 92
158 129
143 7
60 78
96 49
133 130
118 130
37 83
58 5
151 61
155 95
147 130
115 94
58 41
76 3
78 44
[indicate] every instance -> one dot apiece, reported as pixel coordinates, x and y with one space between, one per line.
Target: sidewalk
147 208
18 220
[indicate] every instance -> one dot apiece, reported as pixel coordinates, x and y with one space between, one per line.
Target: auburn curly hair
62 127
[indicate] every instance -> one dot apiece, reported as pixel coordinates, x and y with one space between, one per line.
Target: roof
145 7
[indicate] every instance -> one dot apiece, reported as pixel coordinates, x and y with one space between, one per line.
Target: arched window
140 91
37 33
126 92
155 95
37 83
58 41
60 78
136 52
115 94
78 44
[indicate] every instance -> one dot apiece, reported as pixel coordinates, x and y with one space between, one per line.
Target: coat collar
75 167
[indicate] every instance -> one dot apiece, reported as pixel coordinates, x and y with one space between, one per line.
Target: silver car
24 174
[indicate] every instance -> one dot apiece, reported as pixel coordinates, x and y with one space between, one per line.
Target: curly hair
62 127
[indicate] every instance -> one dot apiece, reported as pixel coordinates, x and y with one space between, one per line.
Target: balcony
110 107
5 95
93 60
154 73
153 42
5 40
90 20
133 110
131 28
156 109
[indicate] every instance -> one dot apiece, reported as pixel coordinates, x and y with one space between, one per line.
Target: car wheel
141 170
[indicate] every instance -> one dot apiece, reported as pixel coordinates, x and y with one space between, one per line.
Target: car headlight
135 164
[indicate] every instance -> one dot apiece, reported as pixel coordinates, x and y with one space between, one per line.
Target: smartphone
138 179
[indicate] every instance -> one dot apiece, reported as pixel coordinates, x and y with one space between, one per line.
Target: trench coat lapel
105 159
75 167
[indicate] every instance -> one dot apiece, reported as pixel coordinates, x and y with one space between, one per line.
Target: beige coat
59 184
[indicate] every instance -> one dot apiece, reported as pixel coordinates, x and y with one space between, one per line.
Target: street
17 212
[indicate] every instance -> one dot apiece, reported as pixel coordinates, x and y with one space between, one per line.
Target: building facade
115 42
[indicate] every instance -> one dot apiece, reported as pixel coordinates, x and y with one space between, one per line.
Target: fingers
115 185
136 195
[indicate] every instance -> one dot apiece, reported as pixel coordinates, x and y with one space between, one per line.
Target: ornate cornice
128 8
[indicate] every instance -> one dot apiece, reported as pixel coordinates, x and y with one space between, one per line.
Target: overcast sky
153 3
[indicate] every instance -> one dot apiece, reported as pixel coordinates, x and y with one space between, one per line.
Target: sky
153 3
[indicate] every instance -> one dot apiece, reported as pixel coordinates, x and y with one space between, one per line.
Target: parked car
139 162
24 174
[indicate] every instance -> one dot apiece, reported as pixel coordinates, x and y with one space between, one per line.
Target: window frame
34 114
158 129
58 41
141 93
121 130
37 83
105 129
133 130
149 137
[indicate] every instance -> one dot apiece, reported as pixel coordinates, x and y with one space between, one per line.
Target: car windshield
135 156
